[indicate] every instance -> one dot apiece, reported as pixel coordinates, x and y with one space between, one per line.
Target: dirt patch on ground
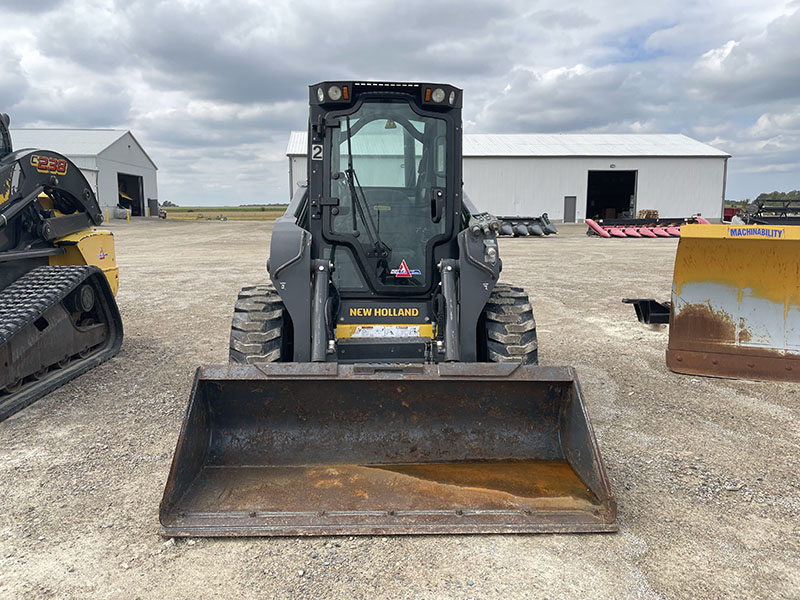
705 471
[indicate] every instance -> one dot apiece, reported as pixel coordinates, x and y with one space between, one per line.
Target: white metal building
115 164
576 176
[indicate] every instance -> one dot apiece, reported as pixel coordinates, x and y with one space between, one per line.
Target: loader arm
27 174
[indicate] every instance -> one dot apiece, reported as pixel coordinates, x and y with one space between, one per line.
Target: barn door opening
611 194
131 196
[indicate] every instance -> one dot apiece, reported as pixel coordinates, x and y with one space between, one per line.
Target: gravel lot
705 471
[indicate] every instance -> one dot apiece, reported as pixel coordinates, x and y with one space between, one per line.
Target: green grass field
219 213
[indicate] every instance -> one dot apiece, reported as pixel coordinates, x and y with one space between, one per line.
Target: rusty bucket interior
326 449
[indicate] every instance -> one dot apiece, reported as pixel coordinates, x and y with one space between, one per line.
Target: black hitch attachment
649 311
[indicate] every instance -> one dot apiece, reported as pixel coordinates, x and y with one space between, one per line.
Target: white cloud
212 89
770 124
13 83
760 68
713 59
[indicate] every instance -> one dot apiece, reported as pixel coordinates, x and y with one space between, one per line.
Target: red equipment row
664 228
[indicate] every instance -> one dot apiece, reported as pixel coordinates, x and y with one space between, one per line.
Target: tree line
779 196
765 197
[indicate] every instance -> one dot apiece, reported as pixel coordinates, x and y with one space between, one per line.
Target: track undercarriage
55 324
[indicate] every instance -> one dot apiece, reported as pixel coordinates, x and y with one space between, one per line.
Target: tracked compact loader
385 382
58 276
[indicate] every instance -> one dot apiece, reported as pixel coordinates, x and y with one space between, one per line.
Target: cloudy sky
212 89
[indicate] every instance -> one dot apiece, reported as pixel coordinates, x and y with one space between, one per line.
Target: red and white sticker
404 271
102 255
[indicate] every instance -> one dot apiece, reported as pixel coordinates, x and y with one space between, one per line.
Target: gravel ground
705 471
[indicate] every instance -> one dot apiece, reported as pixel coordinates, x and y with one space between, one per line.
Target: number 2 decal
316 151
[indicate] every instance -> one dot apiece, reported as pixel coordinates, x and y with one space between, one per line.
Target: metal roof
586 144
75 142
71 142
298 145
564 144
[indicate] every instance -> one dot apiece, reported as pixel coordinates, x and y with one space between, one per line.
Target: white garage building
115 164
577 176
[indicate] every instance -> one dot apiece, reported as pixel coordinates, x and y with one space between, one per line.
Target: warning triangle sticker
402 271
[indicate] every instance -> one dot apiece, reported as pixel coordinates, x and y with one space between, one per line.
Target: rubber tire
510 327
258 326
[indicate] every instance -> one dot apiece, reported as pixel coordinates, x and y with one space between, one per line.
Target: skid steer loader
385 382
58 276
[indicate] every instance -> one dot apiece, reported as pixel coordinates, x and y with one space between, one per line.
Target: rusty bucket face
736 302
326 449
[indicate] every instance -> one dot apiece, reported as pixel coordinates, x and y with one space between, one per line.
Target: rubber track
257 326
27 299
510 326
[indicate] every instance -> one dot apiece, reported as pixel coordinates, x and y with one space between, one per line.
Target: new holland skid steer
58 276
385 382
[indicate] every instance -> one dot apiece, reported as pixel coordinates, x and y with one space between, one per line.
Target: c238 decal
49 164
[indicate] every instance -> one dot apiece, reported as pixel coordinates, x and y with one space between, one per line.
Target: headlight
320 95
335 93
452 98
438 95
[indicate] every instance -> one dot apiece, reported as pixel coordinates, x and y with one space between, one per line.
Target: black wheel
83 299
509 327
14 386
260 330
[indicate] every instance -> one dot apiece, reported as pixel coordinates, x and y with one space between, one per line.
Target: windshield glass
5 138
386 163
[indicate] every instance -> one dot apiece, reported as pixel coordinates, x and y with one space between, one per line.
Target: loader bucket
736 302
327 449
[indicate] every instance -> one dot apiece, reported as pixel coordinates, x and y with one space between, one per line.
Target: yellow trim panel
90 247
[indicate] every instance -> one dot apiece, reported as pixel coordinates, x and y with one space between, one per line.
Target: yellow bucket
736 302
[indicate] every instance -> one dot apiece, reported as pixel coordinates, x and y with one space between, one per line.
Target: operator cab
5 136
384 183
